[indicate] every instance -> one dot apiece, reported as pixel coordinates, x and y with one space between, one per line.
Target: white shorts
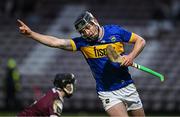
127 95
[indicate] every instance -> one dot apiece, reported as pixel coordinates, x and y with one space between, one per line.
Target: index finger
20 22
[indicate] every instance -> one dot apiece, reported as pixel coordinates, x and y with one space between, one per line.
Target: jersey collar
99 40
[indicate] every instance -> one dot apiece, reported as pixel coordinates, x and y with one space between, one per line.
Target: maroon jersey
50 104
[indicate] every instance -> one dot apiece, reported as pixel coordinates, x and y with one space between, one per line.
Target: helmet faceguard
66 82
83 20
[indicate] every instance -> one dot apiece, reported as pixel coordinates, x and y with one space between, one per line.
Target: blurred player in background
12 85
114 85
51 104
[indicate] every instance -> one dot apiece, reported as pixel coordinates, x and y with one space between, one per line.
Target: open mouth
91 35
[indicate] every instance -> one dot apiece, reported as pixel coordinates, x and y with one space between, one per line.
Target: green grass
8 113
88 114
66 114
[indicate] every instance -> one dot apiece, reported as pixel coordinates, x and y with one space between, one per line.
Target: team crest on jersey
113 38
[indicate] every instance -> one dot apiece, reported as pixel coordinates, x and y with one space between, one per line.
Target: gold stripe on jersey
99 51
73 45
132 38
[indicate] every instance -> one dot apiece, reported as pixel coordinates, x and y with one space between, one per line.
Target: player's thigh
132 99
118 110
137 113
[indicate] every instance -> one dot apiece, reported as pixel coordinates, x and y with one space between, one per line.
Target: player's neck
61 93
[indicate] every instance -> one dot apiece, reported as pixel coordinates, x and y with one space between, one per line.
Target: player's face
69 87
69 90
90 30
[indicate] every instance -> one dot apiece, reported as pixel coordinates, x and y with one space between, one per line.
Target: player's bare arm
139 44
44 39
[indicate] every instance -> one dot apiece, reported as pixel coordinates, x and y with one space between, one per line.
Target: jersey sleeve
125 35
56 108
76 43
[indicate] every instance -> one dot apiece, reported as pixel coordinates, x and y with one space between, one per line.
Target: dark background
157 21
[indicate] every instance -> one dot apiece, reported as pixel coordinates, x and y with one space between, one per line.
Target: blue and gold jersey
109 76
